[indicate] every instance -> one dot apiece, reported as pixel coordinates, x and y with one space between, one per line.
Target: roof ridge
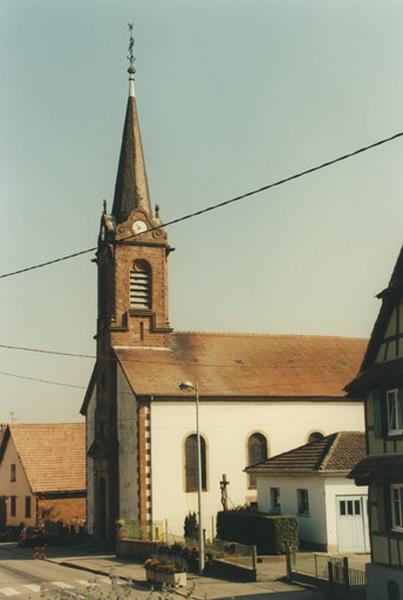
265 334
330 450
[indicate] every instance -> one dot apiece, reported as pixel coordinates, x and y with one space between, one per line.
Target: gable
9 456
390 346
386 341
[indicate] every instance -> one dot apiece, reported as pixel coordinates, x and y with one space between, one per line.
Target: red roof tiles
245 365
52 454
335 452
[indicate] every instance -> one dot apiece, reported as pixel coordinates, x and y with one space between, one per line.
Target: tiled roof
52 454
378 468
335 452
245 365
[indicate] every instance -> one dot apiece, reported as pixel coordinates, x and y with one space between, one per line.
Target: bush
271 534
191 526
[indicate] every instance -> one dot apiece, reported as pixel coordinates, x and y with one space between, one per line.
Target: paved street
24 577
72 570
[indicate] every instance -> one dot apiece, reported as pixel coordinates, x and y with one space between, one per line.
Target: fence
328 572
156 538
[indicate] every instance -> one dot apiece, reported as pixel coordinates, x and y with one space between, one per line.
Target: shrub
165 565
191 526
271 534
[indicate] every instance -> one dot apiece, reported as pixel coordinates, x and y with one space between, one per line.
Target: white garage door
352 523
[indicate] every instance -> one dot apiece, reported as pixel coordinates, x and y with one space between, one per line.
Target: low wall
136 549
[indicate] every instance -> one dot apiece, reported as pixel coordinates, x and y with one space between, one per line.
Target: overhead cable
215 206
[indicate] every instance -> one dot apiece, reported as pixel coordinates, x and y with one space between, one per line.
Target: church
259 394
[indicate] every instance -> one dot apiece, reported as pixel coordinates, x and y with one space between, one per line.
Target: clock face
139 227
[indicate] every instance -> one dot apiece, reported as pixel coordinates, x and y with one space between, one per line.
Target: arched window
191 472
257 451
315 436
393 590
140 285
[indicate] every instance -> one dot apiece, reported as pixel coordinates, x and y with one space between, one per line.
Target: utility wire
59 383
219 205
193 363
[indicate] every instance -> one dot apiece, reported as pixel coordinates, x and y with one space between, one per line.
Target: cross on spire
130 57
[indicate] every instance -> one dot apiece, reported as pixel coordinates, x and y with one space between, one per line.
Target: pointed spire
131 189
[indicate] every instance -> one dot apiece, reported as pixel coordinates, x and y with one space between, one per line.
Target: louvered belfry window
140 285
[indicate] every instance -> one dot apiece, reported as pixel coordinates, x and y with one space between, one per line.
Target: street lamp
188 386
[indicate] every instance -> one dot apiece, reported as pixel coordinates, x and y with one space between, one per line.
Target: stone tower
132 303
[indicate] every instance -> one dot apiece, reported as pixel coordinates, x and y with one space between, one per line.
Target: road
25 577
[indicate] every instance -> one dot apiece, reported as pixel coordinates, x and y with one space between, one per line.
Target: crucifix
224 493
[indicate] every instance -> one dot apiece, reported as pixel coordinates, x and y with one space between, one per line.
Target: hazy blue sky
232 95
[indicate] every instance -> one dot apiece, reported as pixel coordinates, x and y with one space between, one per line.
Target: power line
216 206
172 362
59 383
43 351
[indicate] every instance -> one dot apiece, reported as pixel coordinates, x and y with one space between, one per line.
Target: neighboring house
380 382
42 473
310 483
259 394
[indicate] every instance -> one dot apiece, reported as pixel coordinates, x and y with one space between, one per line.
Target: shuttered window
140 285
257 451
191 470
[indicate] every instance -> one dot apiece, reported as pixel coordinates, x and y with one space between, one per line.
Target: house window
394 405
302 502
275 500
257 452
191 470
27 507
396 492
13 473
315 436
13 506
140 285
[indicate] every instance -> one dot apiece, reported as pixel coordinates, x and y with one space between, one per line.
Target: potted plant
167 570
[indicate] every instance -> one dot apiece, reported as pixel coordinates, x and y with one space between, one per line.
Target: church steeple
133 250
131 190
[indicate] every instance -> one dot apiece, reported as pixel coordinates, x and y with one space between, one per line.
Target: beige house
42 473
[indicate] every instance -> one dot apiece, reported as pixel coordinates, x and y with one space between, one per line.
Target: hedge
271 534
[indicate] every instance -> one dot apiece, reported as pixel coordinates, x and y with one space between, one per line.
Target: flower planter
174 579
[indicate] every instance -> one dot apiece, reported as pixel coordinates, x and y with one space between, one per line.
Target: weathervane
130 57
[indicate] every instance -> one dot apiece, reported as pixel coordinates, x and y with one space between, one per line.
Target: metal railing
329 572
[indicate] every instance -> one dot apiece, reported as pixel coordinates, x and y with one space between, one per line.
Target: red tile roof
245 365
335 452
52 454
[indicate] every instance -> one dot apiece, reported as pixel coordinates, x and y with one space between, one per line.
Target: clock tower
132 307
132 252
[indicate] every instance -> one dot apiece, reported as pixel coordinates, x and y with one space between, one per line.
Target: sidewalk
212 588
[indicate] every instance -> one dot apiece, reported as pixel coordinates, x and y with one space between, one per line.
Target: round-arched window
315 436
393 590
257 452
191 470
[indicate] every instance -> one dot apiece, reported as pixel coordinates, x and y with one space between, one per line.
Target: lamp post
188 386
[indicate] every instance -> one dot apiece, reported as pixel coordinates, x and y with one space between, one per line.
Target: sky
232 95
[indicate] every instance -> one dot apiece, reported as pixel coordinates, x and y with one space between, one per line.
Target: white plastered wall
312 527
128 449
226 426
90 436
19 488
